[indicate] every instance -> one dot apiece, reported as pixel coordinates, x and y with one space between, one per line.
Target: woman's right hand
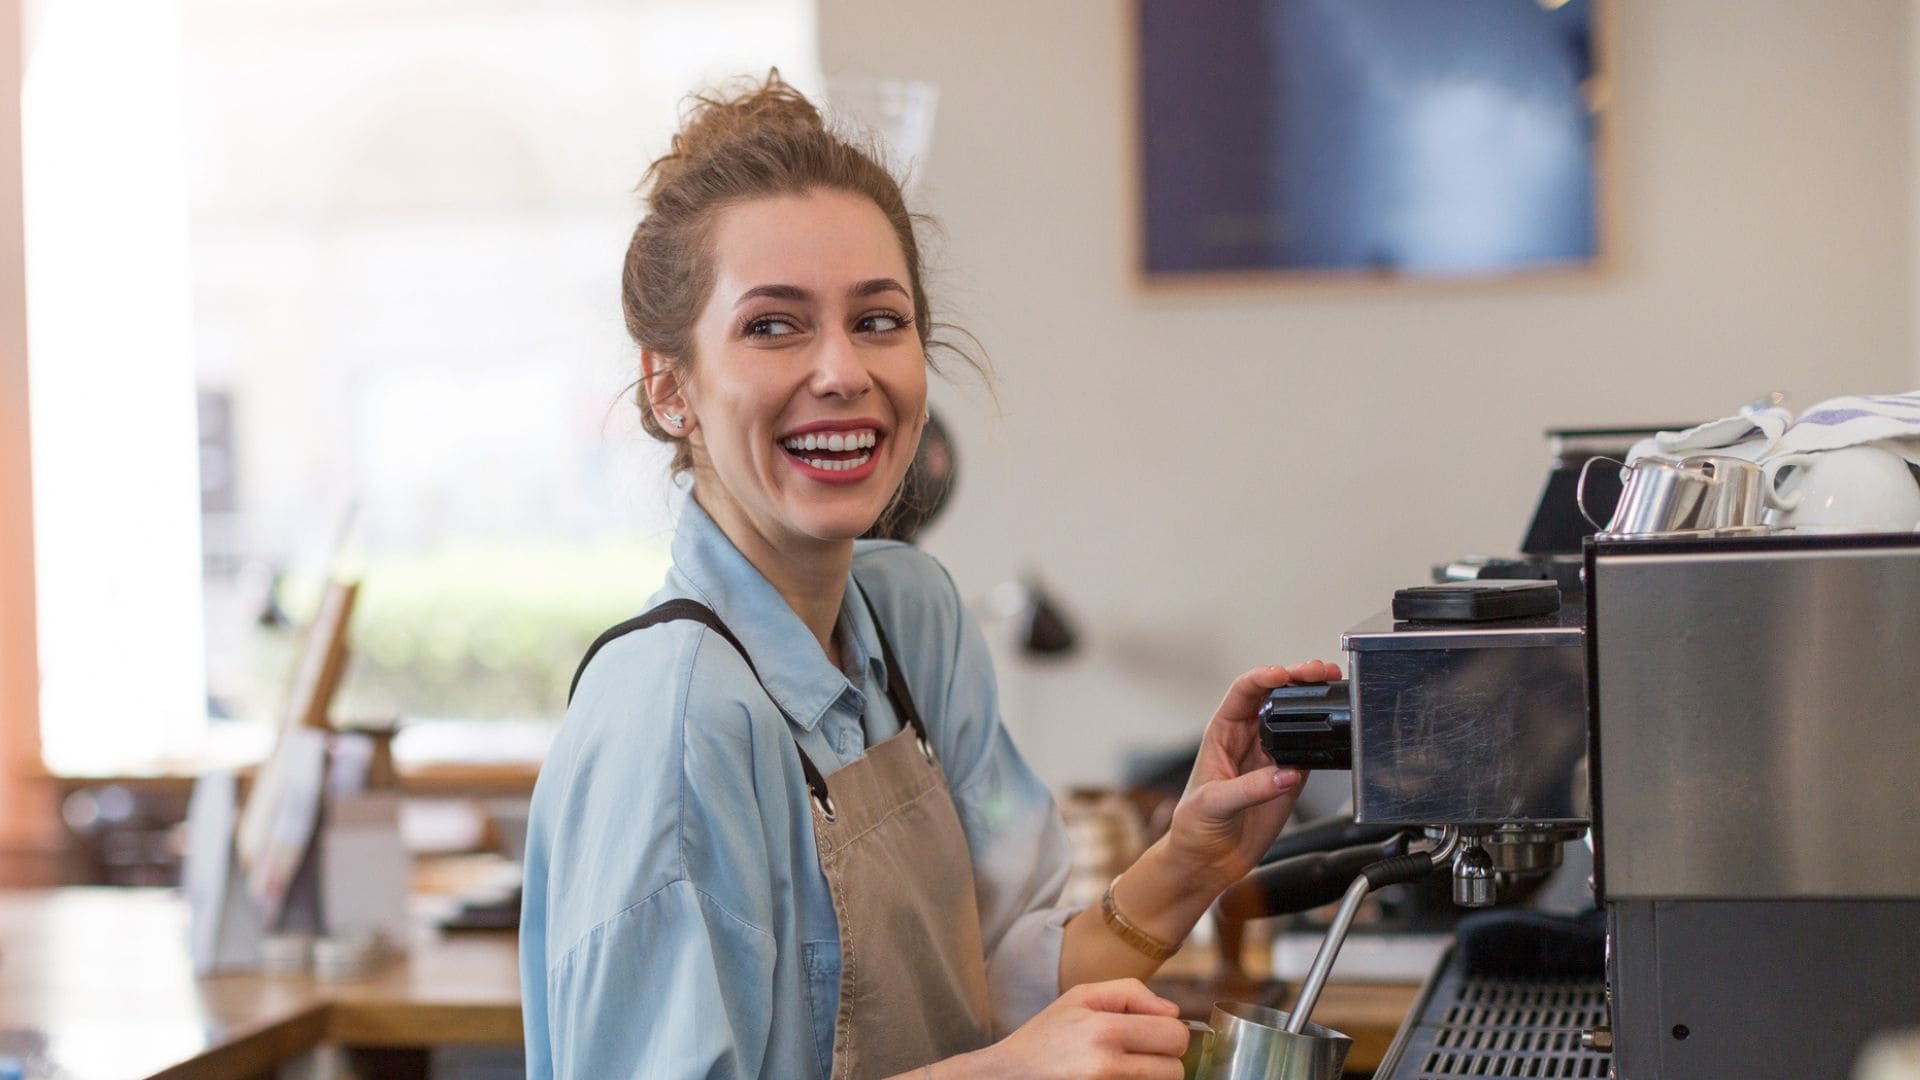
1095 1031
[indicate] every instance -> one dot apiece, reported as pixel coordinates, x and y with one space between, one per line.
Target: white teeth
829 465
852 440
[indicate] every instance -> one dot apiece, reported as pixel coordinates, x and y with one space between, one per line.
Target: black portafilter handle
1309 726
1305 882
1326 834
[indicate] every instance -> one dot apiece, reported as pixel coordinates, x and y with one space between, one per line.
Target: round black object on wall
924 490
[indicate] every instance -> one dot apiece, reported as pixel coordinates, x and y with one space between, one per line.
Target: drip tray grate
1475 1027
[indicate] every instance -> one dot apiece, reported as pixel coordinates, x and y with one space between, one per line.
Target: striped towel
1750 433
1891 421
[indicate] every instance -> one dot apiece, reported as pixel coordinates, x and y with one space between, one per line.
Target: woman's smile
834 452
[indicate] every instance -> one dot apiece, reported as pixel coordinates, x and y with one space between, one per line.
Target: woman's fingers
1244 696
1313 671
1221 800
1148 1034
1234 722
1243 699
1125 996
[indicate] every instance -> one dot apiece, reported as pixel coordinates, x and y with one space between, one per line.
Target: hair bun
715 119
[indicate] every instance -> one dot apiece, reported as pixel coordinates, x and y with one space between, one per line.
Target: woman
782 831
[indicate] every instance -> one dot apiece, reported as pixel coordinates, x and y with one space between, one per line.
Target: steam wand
1409 867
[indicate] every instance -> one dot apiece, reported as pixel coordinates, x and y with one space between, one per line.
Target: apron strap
694 611
897 692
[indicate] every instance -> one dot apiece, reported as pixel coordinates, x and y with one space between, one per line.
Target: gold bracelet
1139 940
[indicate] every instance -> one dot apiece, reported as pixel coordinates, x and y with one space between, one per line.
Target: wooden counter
95 984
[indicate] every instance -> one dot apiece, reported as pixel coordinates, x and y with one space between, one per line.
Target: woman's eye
770 328
880 324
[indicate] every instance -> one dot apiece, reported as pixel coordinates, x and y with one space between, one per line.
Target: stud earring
676 420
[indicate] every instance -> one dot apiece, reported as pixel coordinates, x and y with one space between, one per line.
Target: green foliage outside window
475 632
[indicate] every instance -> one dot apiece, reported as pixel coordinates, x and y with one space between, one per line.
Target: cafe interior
1548 364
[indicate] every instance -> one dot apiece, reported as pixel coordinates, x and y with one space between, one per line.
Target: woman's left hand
1236 800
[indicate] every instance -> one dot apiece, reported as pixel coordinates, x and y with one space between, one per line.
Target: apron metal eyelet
824 803
926 749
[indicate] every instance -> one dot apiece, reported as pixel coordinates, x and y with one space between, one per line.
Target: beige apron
913 976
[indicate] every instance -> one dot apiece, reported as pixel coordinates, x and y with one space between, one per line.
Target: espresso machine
1731 721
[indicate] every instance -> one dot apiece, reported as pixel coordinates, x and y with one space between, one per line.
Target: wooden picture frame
323 660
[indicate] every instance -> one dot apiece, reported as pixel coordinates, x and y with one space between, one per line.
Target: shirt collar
861 641
797 674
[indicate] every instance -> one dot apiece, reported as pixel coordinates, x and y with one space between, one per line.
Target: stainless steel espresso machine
1737 719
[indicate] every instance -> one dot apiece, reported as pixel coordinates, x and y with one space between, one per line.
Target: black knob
1309 726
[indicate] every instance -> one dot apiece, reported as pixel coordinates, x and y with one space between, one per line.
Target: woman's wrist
1164 895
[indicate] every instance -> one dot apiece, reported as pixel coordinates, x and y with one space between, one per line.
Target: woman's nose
839 370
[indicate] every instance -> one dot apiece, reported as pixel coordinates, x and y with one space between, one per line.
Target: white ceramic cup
1850 490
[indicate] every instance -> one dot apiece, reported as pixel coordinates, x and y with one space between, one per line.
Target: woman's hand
1236 800
1097 1031
1233 807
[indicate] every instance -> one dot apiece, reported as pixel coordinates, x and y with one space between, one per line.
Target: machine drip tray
1474 1026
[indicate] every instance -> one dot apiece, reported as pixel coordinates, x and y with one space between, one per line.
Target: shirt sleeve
639 959
673 987
1021 856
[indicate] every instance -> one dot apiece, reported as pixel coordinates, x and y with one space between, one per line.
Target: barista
782 831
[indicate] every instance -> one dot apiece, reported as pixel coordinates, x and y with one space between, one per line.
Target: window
336 282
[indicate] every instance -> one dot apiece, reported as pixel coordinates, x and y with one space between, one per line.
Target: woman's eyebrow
878 285
777 292
795 293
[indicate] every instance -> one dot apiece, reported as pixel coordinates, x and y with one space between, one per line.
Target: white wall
1913 160
1221 477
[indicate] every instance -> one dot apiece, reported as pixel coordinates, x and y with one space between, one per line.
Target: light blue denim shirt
676 922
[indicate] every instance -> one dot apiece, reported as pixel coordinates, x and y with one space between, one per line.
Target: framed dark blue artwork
1395 138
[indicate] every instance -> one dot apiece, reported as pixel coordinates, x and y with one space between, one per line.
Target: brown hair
765 139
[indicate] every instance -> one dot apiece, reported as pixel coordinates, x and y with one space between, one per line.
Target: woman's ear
661 393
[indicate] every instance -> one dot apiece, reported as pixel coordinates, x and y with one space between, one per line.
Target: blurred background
330 287
333 283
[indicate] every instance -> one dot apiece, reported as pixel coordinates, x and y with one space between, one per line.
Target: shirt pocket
821 959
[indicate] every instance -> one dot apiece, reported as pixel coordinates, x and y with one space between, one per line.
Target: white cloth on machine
1750 433
1889 421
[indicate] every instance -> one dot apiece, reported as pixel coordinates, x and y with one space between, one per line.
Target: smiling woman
819 350
782 831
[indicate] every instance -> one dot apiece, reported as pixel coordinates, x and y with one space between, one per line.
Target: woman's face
809 389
